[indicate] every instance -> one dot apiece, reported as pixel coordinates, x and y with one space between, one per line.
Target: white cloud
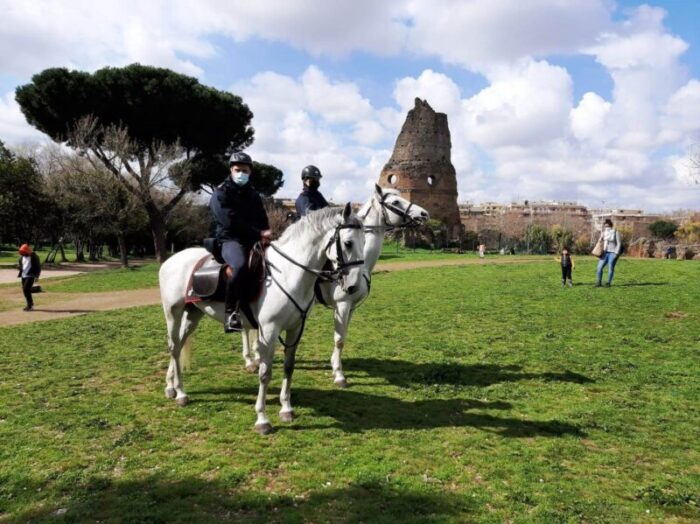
77 34
588 118
523 135
315 120
439 89
481 33
526 104
14 129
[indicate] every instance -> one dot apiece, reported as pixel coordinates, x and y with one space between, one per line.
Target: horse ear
347 211
378 189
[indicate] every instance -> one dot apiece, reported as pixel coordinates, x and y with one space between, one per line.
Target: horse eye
396 202
348 244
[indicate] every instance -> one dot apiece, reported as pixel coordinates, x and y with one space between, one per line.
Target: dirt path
50 306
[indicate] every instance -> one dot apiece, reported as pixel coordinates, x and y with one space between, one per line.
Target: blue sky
590 101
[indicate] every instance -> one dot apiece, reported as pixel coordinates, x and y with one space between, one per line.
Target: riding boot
232 321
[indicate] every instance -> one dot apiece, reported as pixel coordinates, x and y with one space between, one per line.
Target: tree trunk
92 250
79 256
158 231
122 250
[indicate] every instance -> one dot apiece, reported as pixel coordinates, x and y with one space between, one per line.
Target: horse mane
317 223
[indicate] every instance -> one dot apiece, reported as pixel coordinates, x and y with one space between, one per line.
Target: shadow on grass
66 310
356 412
640 284
403 373
193 499
627 284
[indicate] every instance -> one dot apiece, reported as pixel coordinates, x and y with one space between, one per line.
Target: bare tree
142 171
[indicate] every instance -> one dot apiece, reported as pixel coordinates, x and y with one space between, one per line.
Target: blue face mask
240 179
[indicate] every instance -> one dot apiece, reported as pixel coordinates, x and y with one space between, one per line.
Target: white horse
294 264
385 210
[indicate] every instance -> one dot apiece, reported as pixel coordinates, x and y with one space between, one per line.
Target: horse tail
186 354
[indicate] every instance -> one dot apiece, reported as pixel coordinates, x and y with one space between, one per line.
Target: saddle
210 274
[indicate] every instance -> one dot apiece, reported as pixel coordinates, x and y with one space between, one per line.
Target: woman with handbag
607 249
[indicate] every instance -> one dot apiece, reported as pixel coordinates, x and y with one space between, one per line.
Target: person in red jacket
29 270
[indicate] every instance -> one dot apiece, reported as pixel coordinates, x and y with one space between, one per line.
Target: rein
329 276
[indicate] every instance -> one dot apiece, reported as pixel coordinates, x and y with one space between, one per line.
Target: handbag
598 249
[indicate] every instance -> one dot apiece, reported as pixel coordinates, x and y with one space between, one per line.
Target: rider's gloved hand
265 237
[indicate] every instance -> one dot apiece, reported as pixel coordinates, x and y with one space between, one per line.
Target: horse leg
179 332
287 412
173 319
248 339
341 318
266 347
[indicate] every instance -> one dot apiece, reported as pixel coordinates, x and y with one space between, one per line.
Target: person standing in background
29 270
612 245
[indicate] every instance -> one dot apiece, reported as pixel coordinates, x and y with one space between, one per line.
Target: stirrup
232 323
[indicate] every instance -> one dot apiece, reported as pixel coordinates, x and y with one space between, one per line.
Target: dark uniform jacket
34 266
310 200
238 212
566 260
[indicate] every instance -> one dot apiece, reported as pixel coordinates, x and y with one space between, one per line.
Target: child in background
567 265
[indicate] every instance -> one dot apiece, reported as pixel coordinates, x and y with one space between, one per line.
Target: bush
663 228
582 246
689 232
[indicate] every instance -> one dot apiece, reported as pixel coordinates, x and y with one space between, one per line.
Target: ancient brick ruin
421 167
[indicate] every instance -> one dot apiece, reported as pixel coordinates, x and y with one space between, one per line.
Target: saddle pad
207 280
204 280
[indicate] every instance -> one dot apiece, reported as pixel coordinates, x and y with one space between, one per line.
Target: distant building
635 219
511 220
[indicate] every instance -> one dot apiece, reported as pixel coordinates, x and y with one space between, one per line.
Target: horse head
345 249
398 211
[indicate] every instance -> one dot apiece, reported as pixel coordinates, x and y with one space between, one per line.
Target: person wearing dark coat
241 221
29 270
310 198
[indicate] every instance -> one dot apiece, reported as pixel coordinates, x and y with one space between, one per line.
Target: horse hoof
251 368
170 393
342 384
263 429
286 416
182 401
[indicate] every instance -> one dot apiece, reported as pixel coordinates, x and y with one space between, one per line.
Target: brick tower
421 168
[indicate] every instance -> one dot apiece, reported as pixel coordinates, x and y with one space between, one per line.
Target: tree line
135 144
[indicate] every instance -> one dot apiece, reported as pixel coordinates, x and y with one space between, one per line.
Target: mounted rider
241 220
310 198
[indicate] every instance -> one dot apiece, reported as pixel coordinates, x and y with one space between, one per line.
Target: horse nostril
352 290
423 214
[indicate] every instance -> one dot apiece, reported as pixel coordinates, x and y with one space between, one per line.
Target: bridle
341 265
386 207
341 270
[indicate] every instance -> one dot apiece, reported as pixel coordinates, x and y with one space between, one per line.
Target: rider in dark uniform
310 198
241 221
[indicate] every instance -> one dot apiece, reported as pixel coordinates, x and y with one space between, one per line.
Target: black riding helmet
240 158
311 172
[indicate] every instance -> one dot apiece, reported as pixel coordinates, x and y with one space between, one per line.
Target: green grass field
478 393
9 255
119 279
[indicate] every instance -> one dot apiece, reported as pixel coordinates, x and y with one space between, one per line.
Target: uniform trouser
608 258
236 256
27 283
